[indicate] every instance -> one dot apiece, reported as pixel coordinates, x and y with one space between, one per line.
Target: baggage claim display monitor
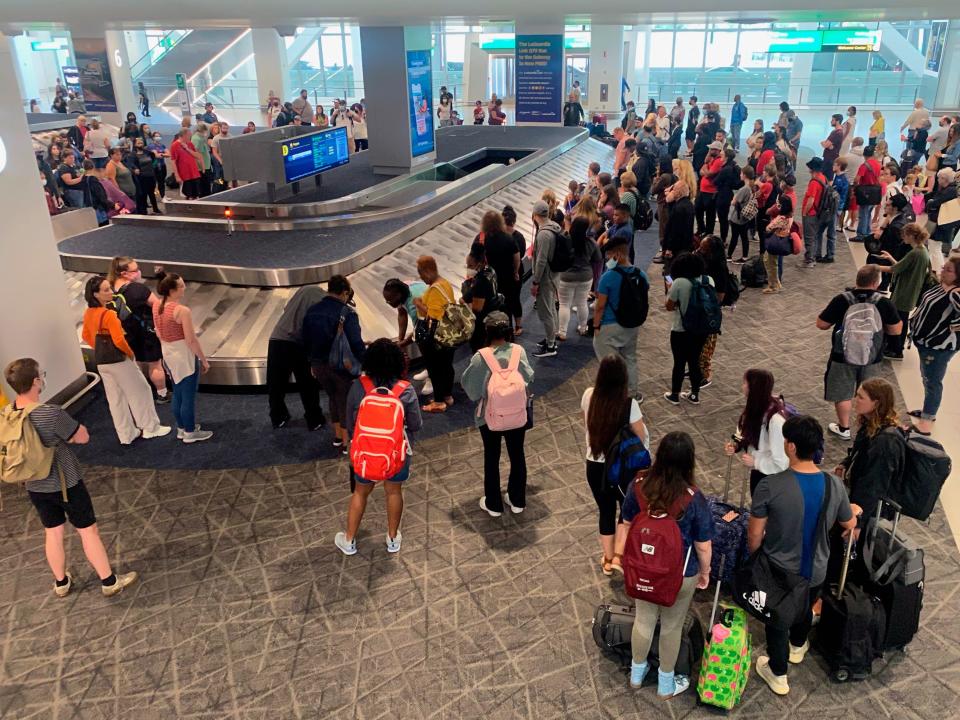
312 154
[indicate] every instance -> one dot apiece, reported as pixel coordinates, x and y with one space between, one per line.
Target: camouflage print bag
456 325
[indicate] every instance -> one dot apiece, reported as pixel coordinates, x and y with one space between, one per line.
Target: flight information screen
313 154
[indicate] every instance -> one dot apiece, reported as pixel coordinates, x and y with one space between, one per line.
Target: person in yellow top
439 360
128 393
877 128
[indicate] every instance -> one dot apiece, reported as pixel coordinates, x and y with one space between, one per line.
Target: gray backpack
859 338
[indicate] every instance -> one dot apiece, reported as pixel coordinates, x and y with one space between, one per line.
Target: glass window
332 50
721 49
661 50
455 48
688 51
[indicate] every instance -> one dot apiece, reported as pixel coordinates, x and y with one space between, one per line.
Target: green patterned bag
726 659
456 325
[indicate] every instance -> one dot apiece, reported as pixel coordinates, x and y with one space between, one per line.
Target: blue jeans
735 134
863 224
933 366
185 400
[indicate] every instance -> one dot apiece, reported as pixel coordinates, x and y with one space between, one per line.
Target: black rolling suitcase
729 530
852 626
894 571
612 625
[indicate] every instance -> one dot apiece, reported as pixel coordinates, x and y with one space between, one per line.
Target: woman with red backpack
666 504
379 438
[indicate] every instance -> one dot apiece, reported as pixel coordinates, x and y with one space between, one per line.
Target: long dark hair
578 235
606 409
671 473
91 289
769 140
761 406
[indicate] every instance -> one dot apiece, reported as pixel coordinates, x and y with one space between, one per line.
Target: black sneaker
739 261
281 424
638 397
545 351
318 426
690 397
706 384
819 258
826 260
671 398
893 356
164 399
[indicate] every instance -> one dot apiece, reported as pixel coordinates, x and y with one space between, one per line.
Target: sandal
615 564
434 407
605 565
517 332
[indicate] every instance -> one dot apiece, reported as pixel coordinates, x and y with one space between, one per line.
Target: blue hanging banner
420 90
539 74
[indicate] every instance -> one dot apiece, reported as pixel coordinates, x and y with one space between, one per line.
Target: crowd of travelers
583 276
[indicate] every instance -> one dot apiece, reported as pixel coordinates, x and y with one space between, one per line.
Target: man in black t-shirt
61 495
842 379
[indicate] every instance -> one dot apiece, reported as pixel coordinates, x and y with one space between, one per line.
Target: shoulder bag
105 352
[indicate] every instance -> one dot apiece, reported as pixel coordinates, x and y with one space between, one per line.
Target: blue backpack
626 456
703 315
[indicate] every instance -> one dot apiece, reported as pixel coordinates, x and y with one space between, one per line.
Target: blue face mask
612 263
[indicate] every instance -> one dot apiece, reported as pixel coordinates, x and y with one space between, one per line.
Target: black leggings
706 210
606 497
741 233
439 362
686 349
146 188
723 215
517 482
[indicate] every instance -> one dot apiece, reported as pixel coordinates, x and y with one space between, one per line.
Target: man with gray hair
920 117
544 284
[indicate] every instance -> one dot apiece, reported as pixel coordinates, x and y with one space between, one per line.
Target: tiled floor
246 610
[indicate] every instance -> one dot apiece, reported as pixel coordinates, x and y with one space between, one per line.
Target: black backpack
753 273
643 215
703 315
634 303
562 252
829 202
926 467
732 292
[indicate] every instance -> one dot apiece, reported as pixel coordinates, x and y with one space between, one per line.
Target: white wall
606 67
36 318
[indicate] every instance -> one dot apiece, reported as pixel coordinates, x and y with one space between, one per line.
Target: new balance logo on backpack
859 338
379 447
653 560
505 407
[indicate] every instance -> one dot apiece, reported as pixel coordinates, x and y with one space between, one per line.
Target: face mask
612 263
43 384
471 272
43 181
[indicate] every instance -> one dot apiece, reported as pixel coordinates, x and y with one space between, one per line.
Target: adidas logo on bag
758 601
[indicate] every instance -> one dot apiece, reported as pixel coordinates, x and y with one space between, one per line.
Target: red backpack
379 446
653 561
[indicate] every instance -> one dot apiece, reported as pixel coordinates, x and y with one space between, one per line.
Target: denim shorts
398 478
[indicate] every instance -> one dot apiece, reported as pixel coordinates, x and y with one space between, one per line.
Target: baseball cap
541 209
715 145
496 318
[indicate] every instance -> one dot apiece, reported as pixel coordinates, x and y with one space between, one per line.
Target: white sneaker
427 388
197 436
483 506
181 432
798 653
393 546
421 376
777 683
515 510
347 548
835 429
158 431
62 592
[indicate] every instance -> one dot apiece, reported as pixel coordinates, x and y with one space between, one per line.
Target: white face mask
612 263
471 272
43 182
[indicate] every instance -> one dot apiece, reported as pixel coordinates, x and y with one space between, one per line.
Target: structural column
36 316
398 86
270 57
119 60
948 88
606 68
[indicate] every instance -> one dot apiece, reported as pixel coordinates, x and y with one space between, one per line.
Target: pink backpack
506 405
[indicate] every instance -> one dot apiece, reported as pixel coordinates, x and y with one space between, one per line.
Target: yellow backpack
23 456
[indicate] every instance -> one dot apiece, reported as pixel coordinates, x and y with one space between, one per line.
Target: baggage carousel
241 270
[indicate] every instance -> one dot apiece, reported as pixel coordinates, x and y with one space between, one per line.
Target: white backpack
506 405
860 337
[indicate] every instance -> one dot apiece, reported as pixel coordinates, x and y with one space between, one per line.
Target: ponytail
117 266
166 284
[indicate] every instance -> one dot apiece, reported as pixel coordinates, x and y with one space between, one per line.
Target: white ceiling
92 16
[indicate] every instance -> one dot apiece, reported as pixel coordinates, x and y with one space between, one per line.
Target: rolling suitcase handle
848 551
736 437
716 597
883 574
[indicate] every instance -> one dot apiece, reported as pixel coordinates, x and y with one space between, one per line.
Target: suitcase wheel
841 675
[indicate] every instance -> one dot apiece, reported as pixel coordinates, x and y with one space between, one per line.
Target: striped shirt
936 322
55 427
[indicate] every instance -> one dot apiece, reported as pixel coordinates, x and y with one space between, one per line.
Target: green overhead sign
570 43
841 40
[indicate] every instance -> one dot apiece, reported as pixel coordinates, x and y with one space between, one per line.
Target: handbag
105 351
341 356
455 325
949 212
780 245
770 593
